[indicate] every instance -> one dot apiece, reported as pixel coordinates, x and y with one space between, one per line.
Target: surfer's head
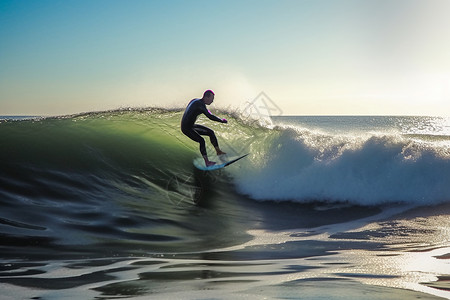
208 97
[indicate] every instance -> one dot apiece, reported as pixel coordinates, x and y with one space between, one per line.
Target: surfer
194 131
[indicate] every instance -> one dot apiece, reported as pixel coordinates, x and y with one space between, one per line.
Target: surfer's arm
210 116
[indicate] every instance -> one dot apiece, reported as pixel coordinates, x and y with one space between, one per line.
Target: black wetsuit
192 130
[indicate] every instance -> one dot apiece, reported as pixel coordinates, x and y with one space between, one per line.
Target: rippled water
108 205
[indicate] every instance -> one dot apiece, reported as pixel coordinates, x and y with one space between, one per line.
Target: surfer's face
209 100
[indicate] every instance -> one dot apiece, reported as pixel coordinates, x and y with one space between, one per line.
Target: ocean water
108 205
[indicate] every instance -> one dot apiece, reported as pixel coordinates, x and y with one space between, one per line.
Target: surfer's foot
210 163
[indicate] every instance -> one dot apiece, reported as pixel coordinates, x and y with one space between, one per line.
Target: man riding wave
194 131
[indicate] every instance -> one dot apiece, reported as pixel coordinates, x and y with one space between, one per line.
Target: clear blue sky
311 57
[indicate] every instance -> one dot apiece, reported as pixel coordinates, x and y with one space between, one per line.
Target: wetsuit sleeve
210 116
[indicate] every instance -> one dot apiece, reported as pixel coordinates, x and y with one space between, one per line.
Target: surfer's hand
224 121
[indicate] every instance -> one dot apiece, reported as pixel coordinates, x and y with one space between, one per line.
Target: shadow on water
204 187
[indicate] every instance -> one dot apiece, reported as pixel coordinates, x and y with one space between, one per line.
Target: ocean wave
102 204
85 154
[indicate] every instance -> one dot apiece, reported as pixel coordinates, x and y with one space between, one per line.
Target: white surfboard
199 162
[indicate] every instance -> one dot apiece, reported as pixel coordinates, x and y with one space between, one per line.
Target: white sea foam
305 165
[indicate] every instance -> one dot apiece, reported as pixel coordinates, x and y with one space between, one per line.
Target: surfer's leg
203 130
193 135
